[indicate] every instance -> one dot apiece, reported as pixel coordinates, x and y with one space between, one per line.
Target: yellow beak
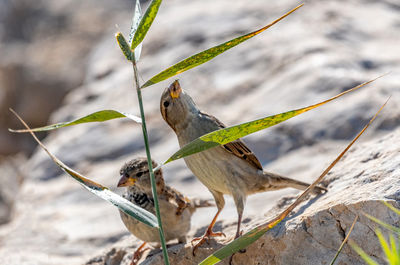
126 181
175 89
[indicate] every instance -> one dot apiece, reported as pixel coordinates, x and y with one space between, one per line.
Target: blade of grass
226 135
344 241
205 56
145 23
383 224
150 165
391 207
395 249
101 191
363 255
385 246
99 116
251 236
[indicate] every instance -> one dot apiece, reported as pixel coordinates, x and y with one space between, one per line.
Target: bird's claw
138 255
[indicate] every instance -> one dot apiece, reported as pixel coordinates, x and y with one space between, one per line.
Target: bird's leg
138 253
208 234
238 232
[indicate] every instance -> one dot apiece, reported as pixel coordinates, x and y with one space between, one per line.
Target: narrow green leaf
145 23
344 241
99 116
226 135
363 255
383 224
98 189
137 15
391 207
208 54
384 245
395 249
124 46
245 240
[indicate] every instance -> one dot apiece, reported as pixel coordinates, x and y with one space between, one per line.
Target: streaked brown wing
238 147
178 198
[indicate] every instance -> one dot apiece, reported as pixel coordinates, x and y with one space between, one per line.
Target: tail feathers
275 182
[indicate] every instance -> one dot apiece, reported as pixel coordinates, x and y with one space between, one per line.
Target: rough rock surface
44 47
321 50
10 179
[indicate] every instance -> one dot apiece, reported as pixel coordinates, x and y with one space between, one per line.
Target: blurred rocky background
59 60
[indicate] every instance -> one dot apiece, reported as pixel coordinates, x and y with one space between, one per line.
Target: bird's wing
238 147
177 198
140 199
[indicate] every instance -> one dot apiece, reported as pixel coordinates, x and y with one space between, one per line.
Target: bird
176 209
229 169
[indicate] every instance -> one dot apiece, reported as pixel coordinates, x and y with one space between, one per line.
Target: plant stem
149 161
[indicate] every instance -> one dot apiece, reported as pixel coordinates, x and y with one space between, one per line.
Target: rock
310 56
44 47
10 182
314 231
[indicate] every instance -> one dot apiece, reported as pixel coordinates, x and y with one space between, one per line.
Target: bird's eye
139 174
166 104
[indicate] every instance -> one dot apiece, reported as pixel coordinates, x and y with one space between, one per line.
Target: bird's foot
137 255
205 238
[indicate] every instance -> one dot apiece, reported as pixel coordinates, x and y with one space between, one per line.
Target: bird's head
136 173
176 106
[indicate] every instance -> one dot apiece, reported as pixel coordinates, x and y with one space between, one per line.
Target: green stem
149 161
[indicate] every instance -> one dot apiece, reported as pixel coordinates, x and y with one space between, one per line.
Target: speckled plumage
176 210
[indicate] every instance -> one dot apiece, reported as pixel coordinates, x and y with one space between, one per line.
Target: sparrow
231 169
176 209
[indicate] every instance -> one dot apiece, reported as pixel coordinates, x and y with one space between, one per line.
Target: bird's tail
276 182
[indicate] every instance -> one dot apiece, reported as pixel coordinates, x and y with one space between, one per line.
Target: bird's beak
175 89
126 181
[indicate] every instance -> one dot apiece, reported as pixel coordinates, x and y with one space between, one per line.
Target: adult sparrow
176 210
228 169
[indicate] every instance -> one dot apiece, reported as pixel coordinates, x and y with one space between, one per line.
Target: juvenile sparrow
228 169
176 210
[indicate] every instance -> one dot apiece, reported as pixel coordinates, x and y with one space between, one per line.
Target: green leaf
384 245
383 224
363 255
209 54
99 116
137 15
395 250
391 207
226 135
101 191
145 23
124 46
